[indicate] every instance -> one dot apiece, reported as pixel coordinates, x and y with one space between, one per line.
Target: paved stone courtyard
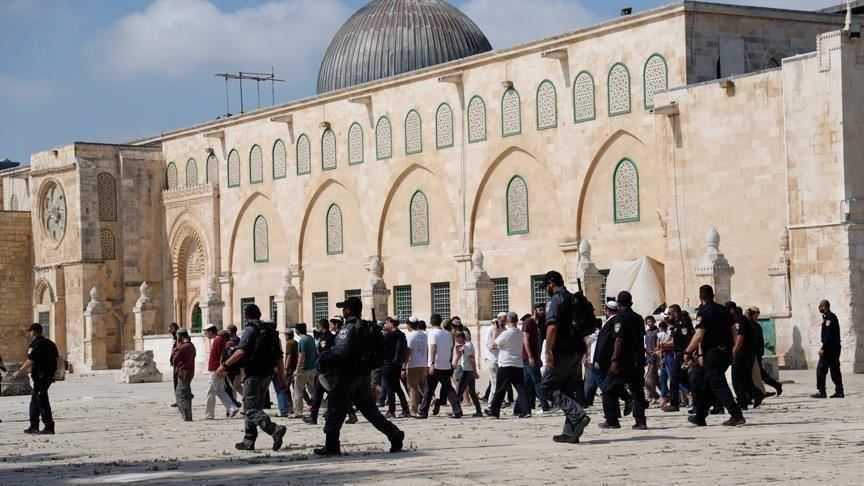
109 433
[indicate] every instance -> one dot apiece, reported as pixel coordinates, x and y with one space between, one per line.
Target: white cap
502 314
209 326
612 305
411 319
337 317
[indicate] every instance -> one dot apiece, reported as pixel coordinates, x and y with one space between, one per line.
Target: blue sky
114 71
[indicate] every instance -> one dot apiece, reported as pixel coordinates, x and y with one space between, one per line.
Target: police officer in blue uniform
345 374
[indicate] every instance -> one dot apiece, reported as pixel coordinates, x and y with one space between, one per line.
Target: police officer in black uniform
562 380
613 364
829 354
42 362
715 334
634 324
347 380
682 332
743 357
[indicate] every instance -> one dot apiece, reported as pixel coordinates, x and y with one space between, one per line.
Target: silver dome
390 37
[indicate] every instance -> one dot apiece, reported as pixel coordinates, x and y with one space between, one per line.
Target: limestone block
139 367
10 387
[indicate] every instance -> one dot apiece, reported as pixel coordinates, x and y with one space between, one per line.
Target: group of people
558 358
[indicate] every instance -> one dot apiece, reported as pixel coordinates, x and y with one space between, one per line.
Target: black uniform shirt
681 336
635 324
325 341
559 311
43 353
758 338
248 341
344 355
612 330
395 344
717 322
830 331
745 330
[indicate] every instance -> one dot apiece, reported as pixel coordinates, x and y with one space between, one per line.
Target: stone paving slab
110 433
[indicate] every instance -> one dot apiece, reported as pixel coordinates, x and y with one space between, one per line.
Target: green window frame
439 145
441 299
482 113
419 148
324 135
257 255
341 248
231 172
418 194
211 178
354 161
303 139
168 172
378 154
511 133
629 90
260 161
621 163
645 78
593 116
510 230
273 159
554 124
244 303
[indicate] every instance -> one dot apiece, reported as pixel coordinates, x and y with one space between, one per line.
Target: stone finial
713 238
94 295
585 251
287 275
144 290
848 26
784 240
95 305
477 261
376 271
781 261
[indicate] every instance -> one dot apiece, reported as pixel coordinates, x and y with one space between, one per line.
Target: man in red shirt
531 360
183 358
217 384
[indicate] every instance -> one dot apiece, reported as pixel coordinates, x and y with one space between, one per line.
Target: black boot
331 446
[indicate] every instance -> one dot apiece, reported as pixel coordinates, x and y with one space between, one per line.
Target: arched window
171 176
355 144
107 188
191 173
13 203
444 126
476 120
413 133
334 230
260 243
328 150
383 139
584 108
106 242
419 211
511 113
212 170
655 79
304 155
256 165
280 160
547 106
517 206
626 192
233 169
619 90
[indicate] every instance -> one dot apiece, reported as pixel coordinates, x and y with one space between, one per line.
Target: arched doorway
195 319
188 271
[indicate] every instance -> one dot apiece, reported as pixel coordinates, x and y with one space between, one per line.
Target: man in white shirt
510 344
591 382
466 362
440 343
415 368
495 328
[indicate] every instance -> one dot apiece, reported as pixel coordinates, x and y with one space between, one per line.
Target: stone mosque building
693 143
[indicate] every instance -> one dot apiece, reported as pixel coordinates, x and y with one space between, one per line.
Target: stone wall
16 282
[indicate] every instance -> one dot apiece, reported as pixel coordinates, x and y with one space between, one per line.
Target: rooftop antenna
848 25
258 78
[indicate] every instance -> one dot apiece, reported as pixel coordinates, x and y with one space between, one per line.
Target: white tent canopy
643 278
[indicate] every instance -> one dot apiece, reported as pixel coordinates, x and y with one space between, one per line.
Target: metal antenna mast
258 78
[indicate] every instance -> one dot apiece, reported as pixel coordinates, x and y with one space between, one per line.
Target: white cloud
175 38
787 4
29 92
511 22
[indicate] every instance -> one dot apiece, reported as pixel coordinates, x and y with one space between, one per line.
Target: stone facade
16 284
450 189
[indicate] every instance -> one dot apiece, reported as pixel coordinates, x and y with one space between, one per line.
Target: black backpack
263 357
371 337
584 318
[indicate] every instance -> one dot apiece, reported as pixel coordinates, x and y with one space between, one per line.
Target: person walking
42 357
466 363
652 377
440 369
715 336
395 357
183 357
829 354
561 379
305 373
510 344
346 368
172 329
283 397
613 364
216 385
531 362
415 369
635 324
491 355
743 358
759 373
258 353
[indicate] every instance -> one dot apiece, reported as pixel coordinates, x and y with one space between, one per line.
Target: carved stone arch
43 293
186 238
310 205
586 180
487 174
236 229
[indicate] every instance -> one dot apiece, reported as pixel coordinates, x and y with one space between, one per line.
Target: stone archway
188 271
